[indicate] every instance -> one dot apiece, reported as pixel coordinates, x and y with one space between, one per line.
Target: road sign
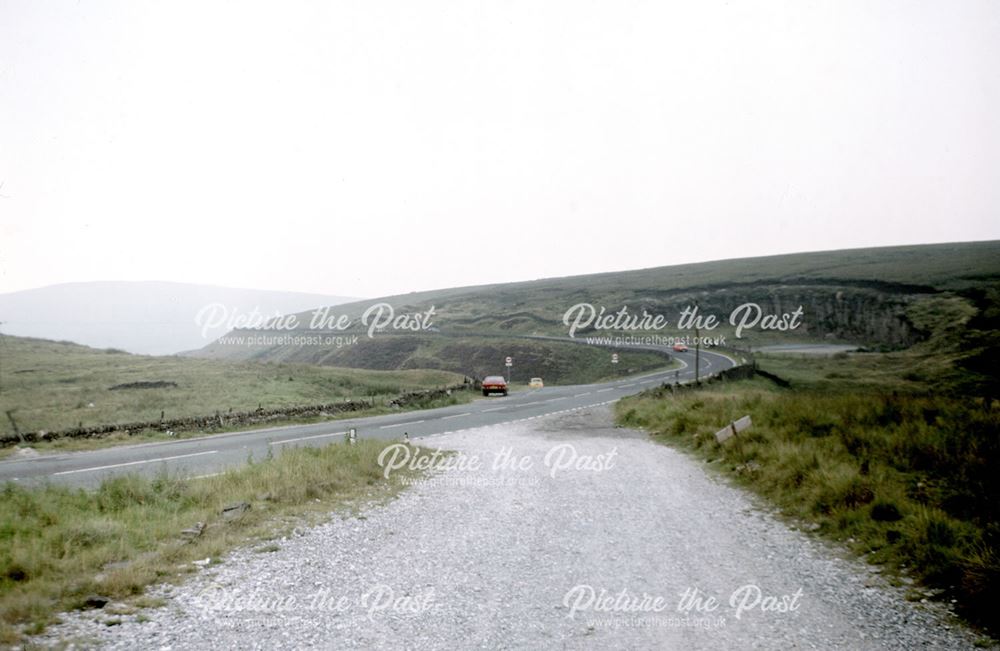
510 361
614 358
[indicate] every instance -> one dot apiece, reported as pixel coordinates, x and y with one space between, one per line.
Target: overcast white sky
373 147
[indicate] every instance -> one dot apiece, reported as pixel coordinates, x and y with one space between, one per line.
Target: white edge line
306 438
409 422
134 463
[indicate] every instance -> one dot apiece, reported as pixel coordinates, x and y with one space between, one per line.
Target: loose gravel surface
561 532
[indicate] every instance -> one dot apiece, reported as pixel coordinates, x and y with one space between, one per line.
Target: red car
680 347
494 384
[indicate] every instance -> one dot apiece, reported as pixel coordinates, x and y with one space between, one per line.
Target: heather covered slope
881 298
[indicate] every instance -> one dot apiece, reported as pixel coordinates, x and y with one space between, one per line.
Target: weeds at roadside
61 546
907 478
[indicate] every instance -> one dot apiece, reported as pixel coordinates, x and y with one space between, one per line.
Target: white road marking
409 422
585 393
495 409
211 474
134 463
603 390
306 438
455 416
625 386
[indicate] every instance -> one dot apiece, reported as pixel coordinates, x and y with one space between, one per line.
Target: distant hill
858 296
154 318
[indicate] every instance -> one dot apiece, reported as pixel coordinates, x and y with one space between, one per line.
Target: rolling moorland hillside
49 385
880 298
475 356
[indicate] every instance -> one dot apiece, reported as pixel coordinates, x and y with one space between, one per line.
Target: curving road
212 454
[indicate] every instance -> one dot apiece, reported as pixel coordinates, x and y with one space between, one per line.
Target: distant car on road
536 383
680 347
494 384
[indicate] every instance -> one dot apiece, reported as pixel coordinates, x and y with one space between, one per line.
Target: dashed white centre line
455 416
495 409
409 422
306 438
625 386
603 390
134 463
585 393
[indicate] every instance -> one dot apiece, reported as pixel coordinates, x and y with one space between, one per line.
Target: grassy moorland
56 385
894 454
61 546
555 361
860 296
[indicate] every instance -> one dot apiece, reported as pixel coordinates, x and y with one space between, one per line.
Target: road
194 457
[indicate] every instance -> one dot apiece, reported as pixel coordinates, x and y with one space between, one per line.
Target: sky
373 147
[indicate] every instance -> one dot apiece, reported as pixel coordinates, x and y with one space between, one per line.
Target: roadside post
697 358
509 363
733 428
697 352
614 360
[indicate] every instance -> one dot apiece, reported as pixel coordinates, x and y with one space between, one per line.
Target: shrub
885 512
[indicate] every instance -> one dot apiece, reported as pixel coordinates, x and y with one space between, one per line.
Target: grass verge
905 476
60 546
114 439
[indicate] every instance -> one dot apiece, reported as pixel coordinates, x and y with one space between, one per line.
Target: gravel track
510 558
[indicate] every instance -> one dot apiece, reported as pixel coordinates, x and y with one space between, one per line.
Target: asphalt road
213 454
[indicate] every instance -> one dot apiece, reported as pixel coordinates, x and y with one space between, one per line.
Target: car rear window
494 379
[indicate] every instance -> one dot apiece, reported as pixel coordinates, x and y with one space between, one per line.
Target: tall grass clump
909 478
59 546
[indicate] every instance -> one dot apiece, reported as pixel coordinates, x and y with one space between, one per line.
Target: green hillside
872 297
556 362
55 385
